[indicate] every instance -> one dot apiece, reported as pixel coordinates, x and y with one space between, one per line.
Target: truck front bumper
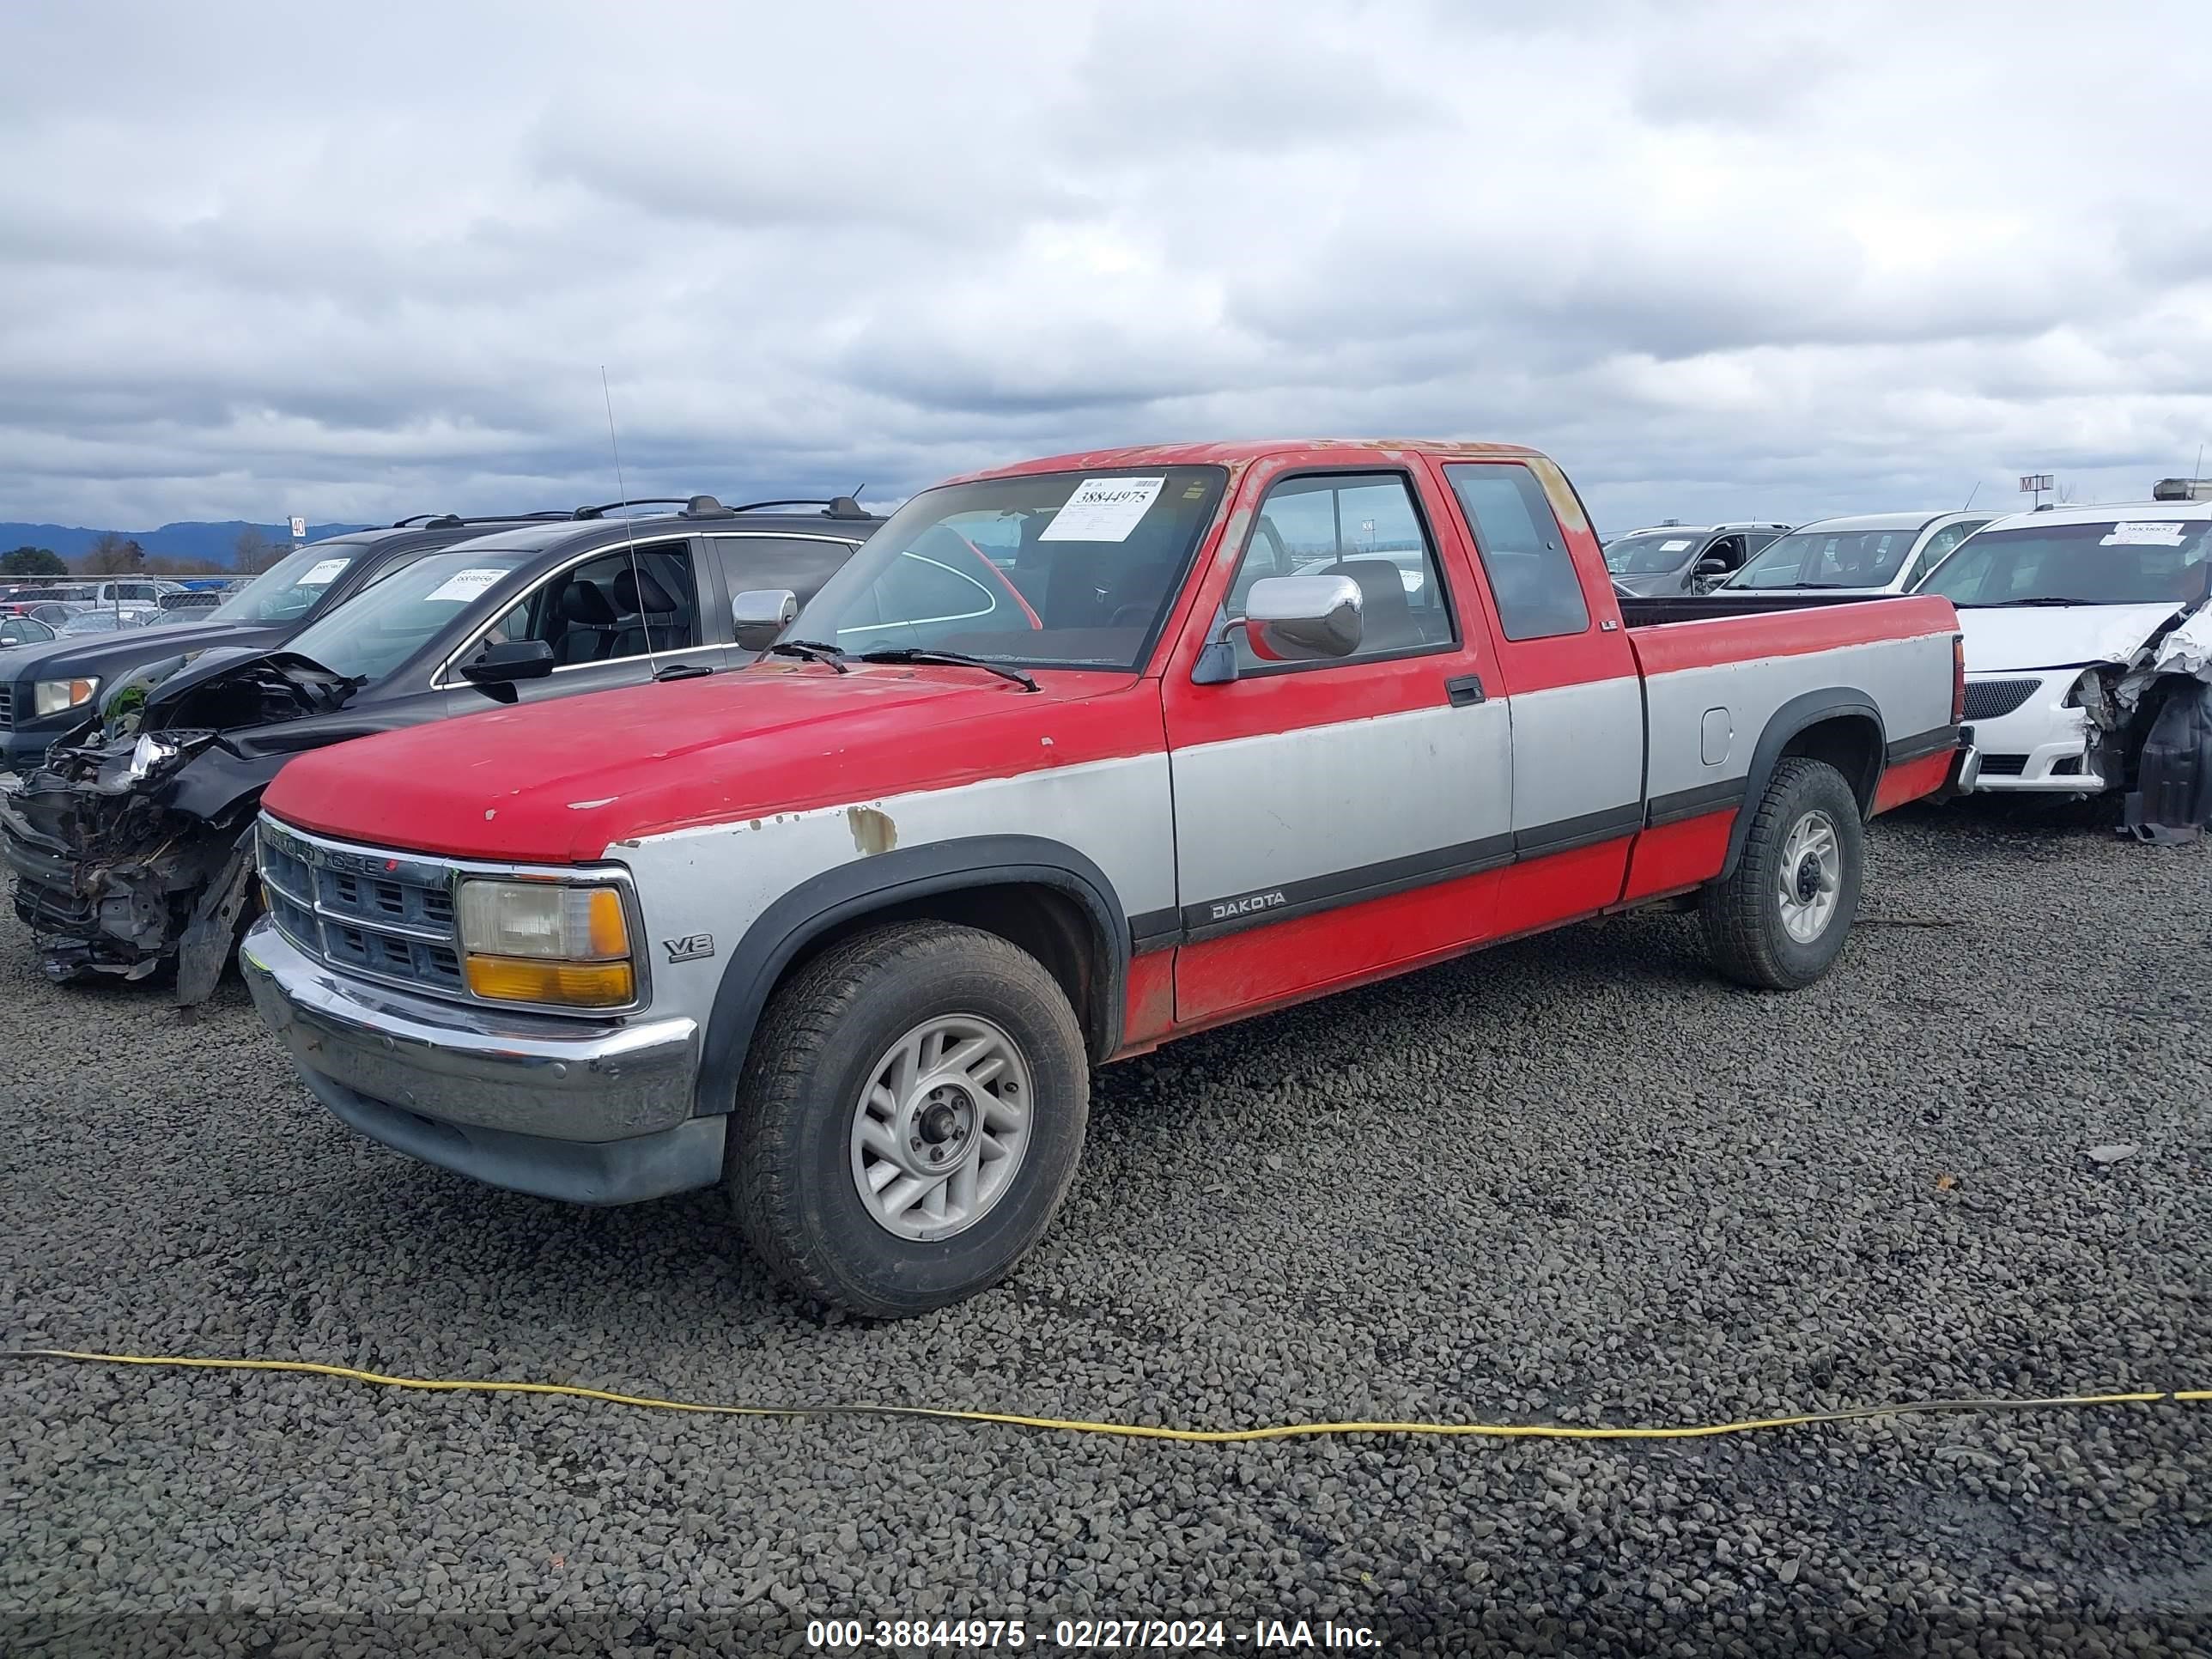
586 1111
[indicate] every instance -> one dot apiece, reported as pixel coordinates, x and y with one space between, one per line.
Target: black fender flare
1801 713
853 890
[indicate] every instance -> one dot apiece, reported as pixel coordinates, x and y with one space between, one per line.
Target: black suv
47 693
132 846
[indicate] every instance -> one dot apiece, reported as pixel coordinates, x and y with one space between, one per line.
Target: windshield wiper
955 659
2021 604
811 650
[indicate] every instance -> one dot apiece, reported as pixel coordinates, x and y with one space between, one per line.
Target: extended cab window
621 604
1358 525
1523 548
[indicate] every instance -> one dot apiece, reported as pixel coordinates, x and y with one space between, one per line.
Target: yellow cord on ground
1127 1431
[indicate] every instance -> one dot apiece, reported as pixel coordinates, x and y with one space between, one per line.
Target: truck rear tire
909 1118
1780 920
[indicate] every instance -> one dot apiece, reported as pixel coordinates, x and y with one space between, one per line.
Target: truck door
1334 819
1578 702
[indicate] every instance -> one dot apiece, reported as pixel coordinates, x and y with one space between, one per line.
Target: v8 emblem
692 948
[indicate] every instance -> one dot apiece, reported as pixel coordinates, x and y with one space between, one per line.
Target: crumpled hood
563 780
2050 636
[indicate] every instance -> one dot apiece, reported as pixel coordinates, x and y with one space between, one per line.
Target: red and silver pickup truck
1070 760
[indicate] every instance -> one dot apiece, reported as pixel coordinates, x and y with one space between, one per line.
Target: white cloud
1719 259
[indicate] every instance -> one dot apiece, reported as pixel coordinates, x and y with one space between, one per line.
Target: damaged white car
2088 651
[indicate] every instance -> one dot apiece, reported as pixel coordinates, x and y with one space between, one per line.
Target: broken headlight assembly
557 942
148 752
2090 691
54 697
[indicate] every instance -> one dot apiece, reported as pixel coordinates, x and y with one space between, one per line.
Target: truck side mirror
1711 565
759 615
1303 619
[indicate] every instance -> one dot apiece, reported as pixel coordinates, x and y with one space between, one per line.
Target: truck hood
108 656
564 781
2002 639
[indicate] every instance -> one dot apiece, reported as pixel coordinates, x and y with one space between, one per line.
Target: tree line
114 555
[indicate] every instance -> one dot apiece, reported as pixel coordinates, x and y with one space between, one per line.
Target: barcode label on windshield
1104 510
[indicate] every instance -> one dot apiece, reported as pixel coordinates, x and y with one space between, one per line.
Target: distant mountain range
212 543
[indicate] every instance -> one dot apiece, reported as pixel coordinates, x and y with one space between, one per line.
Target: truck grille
1986 699
381 914
7 708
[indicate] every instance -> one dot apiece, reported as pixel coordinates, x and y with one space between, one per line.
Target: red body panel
562 781
1678 855
1911 780
1790 633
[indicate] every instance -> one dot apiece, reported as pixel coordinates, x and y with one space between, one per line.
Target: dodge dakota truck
1072 759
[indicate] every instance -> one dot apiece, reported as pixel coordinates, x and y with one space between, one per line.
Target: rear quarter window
1524 551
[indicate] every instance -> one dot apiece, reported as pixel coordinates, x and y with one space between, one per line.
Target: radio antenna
1971 494
629 528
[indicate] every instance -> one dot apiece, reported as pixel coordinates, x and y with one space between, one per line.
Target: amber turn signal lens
608 928
559 984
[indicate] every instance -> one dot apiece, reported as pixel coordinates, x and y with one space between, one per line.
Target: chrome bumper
586 1111
1966 768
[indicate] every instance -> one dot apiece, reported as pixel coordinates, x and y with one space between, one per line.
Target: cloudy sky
1761 261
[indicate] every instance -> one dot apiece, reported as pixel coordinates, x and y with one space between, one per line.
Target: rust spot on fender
873 832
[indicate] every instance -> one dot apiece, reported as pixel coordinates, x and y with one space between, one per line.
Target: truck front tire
910 1115
1779 921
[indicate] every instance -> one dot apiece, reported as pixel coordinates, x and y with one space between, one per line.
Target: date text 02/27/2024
834 1635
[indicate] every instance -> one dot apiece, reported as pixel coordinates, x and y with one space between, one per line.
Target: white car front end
2025 685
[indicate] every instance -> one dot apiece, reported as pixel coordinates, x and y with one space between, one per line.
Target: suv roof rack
706 507
835 507
448 520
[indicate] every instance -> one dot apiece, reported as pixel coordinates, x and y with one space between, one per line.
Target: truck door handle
1465 691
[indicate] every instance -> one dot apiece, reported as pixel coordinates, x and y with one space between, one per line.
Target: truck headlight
52 696
544 941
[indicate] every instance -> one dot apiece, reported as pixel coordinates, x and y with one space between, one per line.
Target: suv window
1358 525
1939 545
801 564
607 609
1522 549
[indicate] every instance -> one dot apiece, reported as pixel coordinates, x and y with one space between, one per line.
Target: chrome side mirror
759 615
1303 619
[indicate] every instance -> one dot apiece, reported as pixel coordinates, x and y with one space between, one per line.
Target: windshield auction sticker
323 574
1104 510
2144 532
464 585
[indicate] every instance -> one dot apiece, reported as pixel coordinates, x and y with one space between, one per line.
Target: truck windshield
288 589
371 635
1048 570
1653 553
1829 558
2143 562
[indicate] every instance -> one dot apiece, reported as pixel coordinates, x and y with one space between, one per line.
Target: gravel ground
1573 1180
